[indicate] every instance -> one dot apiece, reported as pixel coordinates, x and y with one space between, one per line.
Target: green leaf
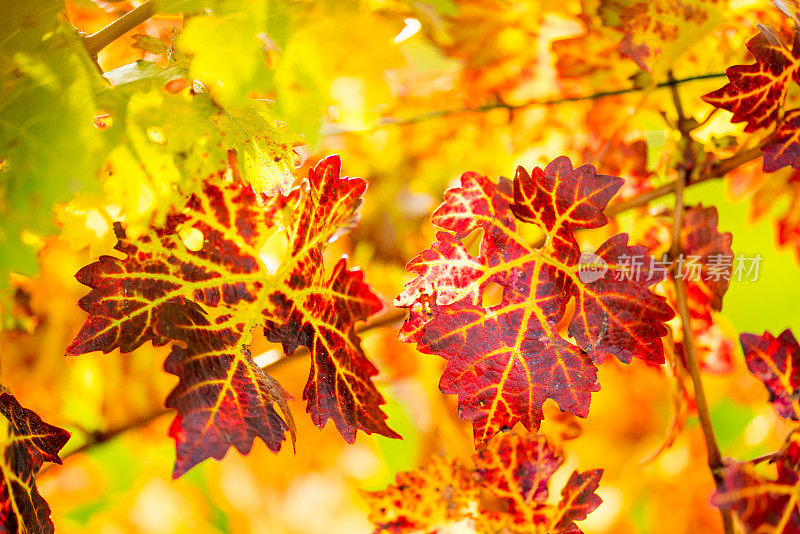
46 105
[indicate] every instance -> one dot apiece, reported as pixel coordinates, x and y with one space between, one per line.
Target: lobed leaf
505 492
705 265
764 504
776 362
223 398
505 360
705 248
207 299
784 147
264 148
27 442
756 93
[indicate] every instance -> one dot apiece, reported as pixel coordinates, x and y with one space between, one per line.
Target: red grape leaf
210 299
776 362
763 504
706 267
505 492
578 500
27 442
504 361
660 31
784 147
222 398
517 469
756 92
708 258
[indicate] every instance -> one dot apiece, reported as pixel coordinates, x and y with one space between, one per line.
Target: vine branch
685 170
390 121
718 170
95 42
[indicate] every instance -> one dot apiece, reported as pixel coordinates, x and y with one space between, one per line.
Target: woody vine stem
685 170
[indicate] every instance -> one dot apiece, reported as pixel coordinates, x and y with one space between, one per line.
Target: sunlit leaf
764 504
505 360
210 299
756 92
507 491
776 362
784 148
46 103
660 31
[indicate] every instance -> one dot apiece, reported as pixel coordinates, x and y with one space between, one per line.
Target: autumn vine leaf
660 31
505 360
756 92
506 491
207 299
776 362
706 267
707 253
27 442
765 504
265 149
784 148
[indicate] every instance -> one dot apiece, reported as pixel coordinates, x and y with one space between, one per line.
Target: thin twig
718 170
98 437
95 42
765 457
715 463
390 121
685 170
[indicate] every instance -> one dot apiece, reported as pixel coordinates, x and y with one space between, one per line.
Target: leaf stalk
95 42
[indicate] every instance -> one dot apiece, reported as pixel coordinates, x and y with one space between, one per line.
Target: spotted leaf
505 360
206 297
660 31
506 491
